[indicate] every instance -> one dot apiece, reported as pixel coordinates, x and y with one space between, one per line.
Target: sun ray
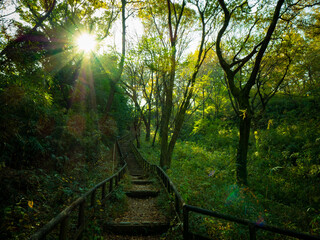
59 61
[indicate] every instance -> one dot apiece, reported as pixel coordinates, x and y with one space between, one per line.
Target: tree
248 57
52 81
140 84
172 21
118 73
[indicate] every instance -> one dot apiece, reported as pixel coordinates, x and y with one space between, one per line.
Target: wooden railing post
103 192
81 220
111 185
252 231
117 181
64 225
93 198
185 223
81 217
177 204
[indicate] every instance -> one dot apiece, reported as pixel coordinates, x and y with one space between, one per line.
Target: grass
206 178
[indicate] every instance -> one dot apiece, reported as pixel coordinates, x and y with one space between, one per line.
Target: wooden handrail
62 217
252 226
56 220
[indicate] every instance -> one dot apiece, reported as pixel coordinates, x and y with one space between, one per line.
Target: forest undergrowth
50 155
31 197
283 175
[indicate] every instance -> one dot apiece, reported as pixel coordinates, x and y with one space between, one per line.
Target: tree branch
263 47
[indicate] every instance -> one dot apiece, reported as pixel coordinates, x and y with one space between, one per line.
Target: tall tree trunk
158 98
242 151
203 103
177 128
136 124
148 125
110 97
165 157
164 132
148 132
155 134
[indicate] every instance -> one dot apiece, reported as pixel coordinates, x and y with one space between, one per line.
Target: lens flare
86 42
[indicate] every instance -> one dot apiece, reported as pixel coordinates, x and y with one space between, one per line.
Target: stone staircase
144 219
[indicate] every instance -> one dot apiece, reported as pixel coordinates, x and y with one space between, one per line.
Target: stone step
142 194
142 182
139 177
137 173
136 228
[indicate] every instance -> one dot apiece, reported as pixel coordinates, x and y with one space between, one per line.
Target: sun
86 42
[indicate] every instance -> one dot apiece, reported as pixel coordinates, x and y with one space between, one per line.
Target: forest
223 95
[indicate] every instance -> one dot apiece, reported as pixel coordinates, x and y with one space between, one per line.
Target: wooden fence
83 207
183 209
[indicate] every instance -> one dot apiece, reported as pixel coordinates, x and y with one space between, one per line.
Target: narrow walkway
143 219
